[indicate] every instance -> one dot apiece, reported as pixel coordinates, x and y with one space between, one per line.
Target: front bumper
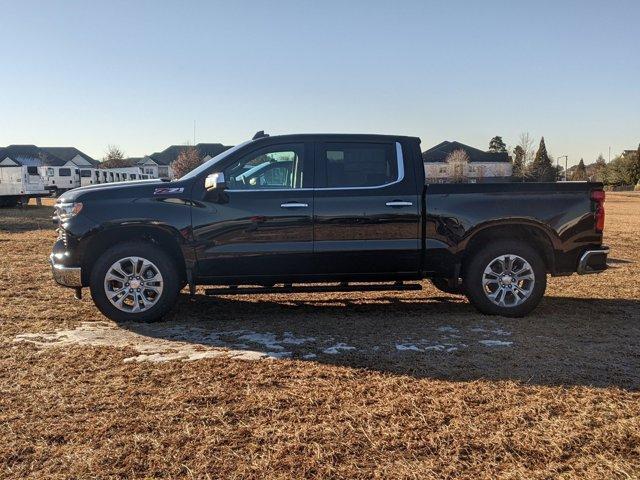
65 276
593 261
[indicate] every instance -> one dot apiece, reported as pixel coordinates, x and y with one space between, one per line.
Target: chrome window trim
399 158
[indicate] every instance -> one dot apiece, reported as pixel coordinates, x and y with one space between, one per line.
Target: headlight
67 210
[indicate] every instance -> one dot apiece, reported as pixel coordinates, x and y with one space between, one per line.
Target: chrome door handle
294 205
399 204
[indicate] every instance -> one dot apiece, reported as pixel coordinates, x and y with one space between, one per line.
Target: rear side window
32 170
85 173
359 165
64 172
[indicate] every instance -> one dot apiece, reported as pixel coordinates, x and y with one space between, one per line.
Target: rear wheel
508 278
134 281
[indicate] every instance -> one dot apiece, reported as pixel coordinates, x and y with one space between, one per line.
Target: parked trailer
88 176
22 182
58 180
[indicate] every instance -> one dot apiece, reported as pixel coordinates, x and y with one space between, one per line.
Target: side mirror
215 181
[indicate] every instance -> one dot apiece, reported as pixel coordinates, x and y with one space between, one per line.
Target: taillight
598 196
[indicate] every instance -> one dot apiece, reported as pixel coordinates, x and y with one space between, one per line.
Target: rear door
366 209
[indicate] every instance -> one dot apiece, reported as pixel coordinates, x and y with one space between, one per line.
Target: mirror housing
215 181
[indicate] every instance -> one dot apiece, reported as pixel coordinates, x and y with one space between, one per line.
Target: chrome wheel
133 284
508 280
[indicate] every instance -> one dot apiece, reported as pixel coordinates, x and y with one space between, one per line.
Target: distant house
70 156
159 163
481 166
17 155
32 155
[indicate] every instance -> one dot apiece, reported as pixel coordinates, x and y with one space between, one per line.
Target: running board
287 288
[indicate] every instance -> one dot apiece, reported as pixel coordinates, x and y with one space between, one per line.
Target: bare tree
114 158
457 162
188 159
526 143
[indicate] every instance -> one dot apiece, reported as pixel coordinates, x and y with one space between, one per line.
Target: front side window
277 167
359 165
50 172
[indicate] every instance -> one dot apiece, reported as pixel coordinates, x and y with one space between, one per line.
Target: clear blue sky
138 73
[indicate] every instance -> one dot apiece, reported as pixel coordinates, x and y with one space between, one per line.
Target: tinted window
278 167
64 172
32 170
361 165
85 173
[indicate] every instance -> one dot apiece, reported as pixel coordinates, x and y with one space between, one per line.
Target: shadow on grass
566 341
25 219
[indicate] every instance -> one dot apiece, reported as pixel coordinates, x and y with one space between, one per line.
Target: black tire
474 272
442 284
9 202
164 263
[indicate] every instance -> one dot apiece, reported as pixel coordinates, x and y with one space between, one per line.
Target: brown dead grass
562 403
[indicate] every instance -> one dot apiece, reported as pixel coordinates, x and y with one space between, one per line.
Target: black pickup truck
323 212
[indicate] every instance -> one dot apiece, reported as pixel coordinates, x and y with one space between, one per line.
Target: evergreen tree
634 168
541 169
600 169
580 173
518 162
497 145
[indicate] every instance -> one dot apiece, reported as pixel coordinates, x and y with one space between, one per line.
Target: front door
367 215
262 224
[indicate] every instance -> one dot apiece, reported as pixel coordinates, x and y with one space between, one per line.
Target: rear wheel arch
162 237
533 235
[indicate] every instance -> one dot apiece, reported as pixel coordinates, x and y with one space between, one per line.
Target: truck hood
73 195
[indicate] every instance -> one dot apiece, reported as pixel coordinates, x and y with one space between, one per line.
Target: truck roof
297 137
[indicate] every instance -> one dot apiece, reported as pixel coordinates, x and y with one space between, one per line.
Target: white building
481 167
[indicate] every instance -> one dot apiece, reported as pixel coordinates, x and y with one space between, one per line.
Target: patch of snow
499 331
478 329
448 329
291 340
407 346
270 342
495 343
266 339
309 356
161 343
437 348
278 354
337 348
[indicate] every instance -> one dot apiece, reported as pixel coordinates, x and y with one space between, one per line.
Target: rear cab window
356 165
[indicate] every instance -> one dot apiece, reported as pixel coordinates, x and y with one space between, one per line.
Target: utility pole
194 132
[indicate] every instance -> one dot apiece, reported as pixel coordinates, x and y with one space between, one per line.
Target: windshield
210 163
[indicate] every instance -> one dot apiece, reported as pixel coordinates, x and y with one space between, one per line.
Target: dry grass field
399 385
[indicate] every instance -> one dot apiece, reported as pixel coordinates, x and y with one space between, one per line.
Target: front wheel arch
101 241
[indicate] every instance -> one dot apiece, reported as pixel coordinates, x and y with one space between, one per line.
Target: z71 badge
167 190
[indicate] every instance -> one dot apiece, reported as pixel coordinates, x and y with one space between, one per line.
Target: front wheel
507 278
134 281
